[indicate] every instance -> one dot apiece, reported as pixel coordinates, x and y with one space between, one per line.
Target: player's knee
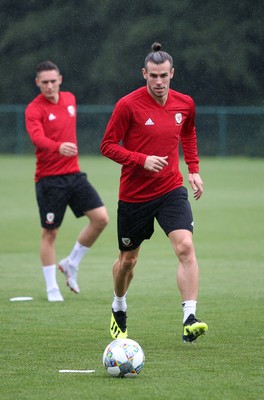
185 248
49 234
101 223
100 220
128 263
104 220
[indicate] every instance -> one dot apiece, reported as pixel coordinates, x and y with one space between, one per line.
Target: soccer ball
123 358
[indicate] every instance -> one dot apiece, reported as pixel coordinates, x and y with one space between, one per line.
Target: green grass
38 339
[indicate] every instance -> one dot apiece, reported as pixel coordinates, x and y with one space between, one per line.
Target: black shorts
55 193
136 220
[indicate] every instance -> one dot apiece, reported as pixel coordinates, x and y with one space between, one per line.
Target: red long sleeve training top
139 127
49 125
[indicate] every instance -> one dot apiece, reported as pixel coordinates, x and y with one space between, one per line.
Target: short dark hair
47 66
157 56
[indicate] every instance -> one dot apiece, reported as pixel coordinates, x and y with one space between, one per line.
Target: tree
100 47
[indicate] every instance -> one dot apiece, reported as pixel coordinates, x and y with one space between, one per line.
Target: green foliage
100 47
38 338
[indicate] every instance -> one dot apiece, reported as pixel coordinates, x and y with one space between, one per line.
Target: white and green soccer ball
123 358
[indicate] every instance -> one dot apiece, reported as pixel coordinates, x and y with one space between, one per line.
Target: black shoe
192 328
118 328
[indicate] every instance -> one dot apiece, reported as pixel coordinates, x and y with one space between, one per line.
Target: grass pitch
39 338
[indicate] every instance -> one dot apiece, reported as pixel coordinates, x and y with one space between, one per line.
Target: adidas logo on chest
149 122
51 117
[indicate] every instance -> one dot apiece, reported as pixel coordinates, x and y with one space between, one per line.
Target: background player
51 125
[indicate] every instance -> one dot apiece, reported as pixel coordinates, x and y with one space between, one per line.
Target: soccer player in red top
143 135
51 125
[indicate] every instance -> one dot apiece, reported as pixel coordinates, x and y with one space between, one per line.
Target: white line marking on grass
78 371
21 298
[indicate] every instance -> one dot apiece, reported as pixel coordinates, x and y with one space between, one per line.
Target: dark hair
47 66
157 56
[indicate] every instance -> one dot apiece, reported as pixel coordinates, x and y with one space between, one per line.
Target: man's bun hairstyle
157 56
156 47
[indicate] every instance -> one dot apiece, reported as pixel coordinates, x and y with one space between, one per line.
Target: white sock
119 303
189 307
77 254
49 272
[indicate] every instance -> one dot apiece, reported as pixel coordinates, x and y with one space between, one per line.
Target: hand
155 163
196 184
68 149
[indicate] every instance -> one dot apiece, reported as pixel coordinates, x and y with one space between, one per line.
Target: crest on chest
178 118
